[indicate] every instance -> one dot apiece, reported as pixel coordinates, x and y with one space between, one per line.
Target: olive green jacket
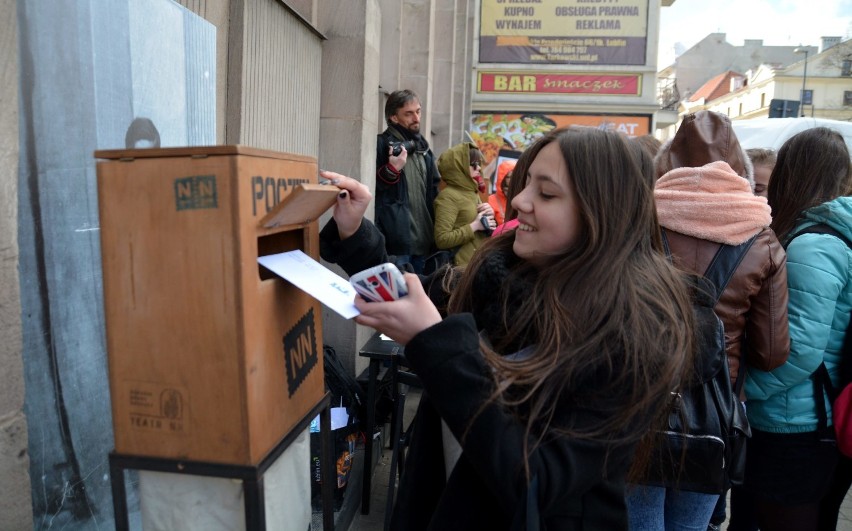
455 206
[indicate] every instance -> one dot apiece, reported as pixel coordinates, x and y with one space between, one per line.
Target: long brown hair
518 182
610 310
812 167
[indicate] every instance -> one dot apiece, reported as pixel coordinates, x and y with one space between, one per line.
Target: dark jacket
581 483
393 211
704 199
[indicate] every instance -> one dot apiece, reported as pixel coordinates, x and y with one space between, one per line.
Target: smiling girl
553 352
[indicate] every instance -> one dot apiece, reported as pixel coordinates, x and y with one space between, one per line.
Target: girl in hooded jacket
704 197
549 356
498 199
790 462
458 209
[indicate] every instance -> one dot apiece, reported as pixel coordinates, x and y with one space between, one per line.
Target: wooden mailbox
211 357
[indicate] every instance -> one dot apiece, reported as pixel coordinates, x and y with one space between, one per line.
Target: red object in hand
480 183
512 224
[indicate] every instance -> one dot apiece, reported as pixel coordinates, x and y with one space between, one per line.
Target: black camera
409 146
486 225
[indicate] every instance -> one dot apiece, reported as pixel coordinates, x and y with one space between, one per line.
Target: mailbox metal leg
367 481
255 507
328 471
119 496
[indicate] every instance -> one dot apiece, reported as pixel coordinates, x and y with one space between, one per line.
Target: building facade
552 64
300 76
742 82
827 80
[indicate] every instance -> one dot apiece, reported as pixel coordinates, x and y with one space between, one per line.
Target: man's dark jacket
393 213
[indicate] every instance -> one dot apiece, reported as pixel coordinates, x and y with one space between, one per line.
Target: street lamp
802 50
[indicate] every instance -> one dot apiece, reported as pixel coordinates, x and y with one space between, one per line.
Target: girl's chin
521 250
524 234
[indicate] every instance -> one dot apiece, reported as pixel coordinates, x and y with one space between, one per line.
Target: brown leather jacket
753 306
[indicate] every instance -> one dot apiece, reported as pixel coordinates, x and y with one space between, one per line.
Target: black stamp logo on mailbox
300 353
196 192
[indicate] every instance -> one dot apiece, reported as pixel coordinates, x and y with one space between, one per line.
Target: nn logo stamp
300 352
196 192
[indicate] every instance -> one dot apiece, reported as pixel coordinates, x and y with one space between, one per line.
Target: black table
380 352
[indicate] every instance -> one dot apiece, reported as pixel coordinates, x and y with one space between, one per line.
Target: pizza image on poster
495 131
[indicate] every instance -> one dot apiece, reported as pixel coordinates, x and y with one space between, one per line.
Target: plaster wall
15 500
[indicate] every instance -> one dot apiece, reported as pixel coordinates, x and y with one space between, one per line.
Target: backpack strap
726 260
722 267
821 379
724 263
823 387
820 228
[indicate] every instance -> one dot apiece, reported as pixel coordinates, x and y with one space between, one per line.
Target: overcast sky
777 22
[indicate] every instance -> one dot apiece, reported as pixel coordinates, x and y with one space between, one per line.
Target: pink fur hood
712 203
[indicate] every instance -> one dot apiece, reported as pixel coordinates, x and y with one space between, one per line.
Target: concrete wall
217 12
15 501
87 69
349 120
306 76
278 73
444 52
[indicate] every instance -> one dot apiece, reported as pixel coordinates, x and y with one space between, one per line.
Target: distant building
714 55
735 85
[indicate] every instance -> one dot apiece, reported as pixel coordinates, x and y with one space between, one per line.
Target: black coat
392 209
580 482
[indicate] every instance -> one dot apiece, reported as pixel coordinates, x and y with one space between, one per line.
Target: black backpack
702 446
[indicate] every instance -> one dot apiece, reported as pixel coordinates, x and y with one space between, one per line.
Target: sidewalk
844 521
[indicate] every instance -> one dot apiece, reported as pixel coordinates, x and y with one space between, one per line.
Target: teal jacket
819 268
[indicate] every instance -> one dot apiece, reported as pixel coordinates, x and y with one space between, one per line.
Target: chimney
828 42
736 83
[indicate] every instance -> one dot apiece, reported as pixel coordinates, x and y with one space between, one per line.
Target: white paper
339 419
314 279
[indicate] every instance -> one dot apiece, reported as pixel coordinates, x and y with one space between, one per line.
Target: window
763 100
846 68
847 98
740 109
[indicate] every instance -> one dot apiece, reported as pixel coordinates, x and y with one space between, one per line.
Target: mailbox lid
198 152
304 205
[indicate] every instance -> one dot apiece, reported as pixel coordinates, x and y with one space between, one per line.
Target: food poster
492 132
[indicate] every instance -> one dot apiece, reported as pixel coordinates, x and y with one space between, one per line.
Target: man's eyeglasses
476 165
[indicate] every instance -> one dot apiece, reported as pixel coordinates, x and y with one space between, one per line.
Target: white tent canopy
773 132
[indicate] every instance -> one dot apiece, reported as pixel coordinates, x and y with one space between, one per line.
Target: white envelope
315 279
